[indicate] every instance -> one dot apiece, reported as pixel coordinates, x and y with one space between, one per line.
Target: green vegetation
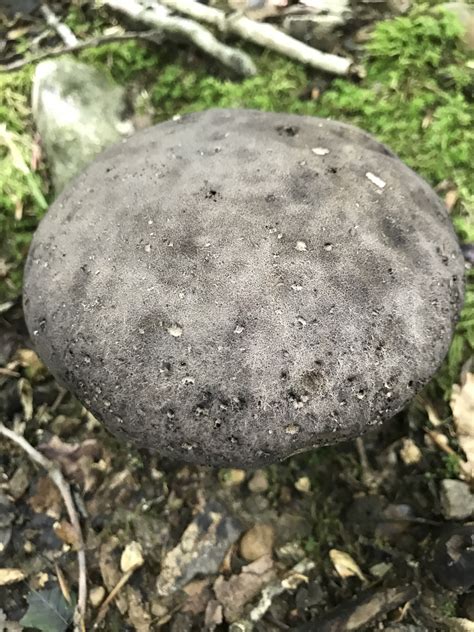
416 97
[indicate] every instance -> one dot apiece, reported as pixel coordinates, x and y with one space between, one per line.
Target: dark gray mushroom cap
238 286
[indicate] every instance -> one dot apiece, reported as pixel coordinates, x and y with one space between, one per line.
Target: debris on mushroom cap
287 301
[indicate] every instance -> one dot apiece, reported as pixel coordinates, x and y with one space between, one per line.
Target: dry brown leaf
66 533
76 459
30 361
199 595
11 576
46 498
462 405
238 590
345 565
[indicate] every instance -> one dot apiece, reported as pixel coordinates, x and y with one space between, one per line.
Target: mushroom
235 286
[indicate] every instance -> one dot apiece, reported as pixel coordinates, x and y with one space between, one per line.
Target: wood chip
375 180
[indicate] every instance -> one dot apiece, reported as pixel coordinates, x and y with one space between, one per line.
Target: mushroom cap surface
238 286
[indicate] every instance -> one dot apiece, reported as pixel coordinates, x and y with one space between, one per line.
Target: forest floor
367 535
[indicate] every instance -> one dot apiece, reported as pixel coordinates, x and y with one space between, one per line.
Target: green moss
22 191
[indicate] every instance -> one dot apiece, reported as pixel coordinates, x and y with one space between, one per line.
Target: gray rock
78 112
457 500
465 14
239 286
201 549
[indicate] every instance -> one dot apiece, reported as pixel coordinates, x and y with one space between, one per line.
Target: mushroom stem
55 474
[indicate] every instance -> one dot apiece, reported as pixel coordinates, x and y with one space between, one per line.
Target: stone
465 14
457 500
212 289
303 485
258 484
201 549
96 595
453 558
257 542
79 111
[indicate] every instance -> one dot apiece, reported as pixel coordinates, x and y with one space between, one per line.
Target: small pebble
257 542
96 596
259 482
303 485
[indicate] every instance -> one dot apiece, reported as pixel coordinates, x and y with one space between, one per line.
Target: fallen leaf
46 498
201 549
462 405
66 533
132 557
11 576
48 611
344 564
199 594
30 361
76 459
238 590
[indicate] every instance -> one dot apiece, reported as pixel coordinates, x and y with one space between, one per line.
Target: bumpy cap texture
238 286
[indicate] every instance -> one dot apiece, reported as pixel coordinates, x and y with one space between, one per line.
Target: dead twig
441 441
61 29
260 33
111 596
54 472
151 36
158 16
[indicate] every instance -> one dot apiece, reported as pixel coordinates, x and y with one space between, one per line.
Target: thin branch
61 29
151 36
262 34
111 596
54 472
158 16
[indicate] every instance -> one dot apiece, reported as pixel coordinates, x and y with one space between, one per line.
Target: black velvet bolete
235 286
